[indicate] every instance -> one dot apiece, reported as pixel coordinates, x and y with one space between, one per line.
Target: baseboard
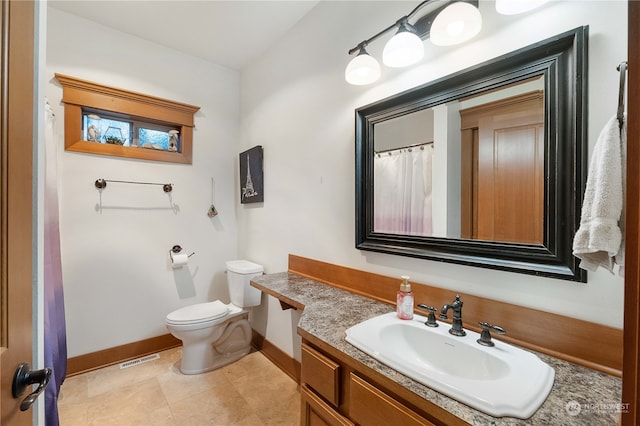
94 360
104 358
281 359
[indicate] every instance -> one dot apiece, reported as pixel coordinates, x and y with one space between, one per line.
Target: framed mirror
485 167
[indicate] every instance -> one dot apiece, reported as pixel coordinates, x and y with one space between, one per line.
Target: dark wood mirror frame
562 60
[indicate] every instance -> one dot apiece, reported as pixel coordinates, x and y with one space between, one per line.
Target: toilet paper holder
177 249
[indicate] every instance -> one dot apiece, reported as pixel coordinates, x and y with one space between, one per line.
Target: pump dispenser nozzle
405 286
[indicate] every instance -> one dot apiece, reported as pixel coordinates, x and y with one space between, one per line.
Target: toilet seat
209 312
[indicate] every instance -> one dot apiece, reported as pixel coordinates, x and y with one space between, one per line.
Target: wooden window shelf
80 93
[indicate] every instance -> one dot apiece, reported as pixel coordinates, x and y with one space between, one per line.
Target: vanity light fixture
447 25
452 23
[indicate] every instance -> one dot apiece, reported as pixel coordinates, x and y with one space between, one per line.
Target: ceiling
228 33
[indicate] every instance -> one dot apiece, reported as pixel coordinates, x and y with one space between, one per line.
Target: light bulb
404 49
456 24
456 28
362 70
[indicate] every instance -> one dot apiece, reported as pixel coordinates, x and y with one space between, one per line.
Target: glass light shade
513 7
362 70
456 24
404 49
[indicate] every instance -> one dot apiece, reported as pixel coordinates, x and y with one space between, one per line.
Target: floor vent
139 361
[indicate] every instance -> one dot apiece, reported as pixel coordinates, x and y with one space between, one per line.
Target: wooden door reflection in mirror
503 170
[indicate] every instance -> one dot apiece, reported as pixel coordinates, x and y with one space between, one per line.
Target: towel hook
623 73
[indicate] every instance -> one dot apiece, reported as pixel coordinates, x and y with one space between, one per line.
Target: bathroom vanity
334 393
340 385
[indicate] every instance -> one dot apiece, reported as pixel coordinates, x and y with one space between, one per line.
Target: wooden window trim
77 94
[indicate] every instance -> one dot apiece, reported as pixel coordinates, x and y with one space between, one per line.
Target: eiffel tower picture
250 170
248 190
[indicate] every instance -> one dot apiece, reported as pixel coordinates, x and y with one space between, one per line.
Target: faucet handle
485 336
431 319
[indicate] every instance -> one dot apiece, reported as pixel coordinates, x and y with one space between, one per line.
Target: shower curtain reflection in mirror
402 194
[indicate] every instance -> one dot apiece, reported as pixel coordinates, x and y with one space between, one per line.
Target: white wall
406 130
296 104
118 283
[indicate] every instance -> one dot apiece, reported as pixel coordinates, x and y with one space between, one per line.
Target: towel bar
102 184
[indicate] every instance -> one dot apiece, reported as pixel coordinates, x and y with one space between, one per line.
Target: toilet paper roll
179 260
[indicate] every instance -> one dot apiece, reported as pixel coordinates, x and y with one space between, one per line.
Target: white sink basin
501 381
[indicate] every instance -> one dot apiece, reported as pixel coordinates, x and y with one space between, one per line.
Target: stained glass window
149 138
101 129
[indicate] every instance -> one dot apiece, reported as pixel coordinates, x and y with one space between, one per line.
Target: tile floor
251 391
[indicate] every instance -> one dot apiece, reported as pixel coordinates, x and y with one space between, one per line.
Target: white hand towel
598 241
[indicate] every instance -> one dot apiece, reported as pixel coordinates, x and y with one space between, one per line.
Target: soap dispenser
404 300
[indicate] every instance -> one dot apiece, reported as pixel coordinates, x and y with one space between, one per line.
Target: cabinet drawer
316 412
369 406
321 374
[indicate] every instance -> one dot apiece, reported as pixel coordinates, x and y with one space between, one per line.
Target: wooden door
504 172
631 359
16 194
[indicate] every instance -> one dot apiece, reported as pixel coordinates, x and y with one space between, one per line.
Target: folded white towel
598 241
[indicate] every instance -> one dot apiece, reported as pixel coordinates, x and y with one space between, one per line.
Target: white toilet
214 334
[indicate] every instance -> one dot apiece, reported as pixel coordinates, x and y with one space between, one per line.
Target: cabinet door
316 412
369 406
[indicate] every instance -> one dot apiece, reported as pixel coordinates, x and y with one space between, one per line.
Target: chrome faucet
456 325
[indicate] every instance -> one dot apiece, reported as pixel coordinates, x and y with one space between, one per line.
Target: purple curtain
55 335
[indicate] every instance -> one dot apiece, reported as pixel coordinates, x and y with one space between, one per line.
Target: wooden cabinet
335 393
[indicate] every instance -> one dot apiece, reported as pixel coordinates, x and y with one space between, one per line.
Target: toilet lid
199 312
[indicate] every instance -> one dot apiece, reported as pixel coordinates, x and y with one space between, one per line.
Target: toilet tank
239 274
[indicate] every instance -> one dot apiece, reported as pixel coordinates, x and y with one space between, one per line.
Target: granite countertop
594 397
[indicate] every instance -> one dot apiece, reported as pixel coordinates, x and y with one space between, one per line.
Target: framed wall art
251 180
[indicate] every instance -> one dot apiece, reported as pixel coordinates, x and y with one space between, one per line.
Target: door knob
24 378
